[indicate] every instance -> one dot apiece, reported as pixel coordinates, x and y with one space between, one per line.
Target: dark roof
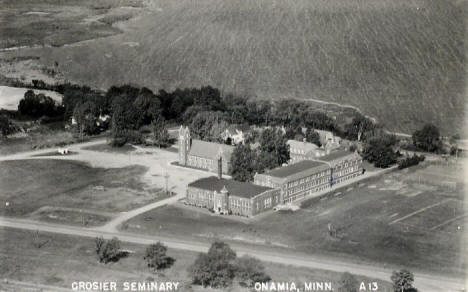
241 127
337 155
235 188
210 150
295 168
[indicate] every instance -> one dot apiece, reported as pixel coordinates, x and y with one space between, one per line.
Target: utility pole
166 177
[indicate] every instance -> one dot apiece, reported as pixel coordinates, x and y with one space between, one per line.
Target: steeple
224 190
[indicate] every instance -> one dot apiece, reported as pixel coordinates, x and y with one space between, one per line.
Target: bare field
399 61
376 222
65 259
75 186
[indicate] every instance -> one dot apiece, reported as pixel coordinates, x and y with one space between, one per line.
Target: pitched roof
241 127
210 149
301 168
338 155
235 188
306 146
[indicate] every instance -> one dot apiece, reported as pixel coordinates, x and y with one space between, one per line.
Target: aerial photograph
234 145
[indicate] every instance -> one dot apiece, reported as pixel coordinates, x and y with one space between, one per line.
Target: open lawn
108 148
64 259
382 220
70 184
36 139
402 62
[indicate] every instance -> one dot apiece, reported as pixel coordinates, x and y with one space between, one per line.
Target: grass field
64 259
399 61
382 220
108 148
36 139
80 189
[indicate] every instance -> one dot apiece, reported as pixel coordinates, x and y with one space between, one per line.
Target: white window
267 202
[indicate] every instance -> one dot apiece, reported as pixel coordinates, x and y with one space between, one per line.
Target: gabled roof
338 155
301 169
210 149
306 146
243 128
234 188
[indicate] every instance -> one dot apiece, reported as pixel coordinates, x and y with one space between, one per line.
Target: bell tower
184 144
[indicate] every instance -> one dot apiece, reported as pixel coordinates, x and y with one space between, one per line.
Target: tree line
134 111
220 267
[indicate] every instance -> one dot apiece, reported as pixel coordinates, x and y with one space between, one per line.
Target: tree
148 105
250 270
290 133
410 161
86 115
156 257
427 139
348 283
215 268
221 251
274 147
108 250
161 135
360 128
243 161
37 105
379 151
402 281
5 125
313 137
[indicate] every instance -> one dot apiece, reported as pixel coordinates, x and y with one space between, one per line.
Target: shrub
156 257
403 281
250 270
108 250
348 283
410 161
214 269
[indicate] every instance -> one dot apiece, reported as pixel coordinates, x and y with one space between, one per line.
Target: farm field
33 23
65 259
65 191
382 220
399 61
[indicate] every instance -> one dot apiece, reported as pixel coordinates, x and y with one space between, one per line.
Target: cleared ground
71 192
64 259
399 61
382 220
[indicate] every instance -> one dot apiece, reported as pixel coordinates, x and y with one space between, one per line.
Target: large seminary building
278 186
305 177
201 154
